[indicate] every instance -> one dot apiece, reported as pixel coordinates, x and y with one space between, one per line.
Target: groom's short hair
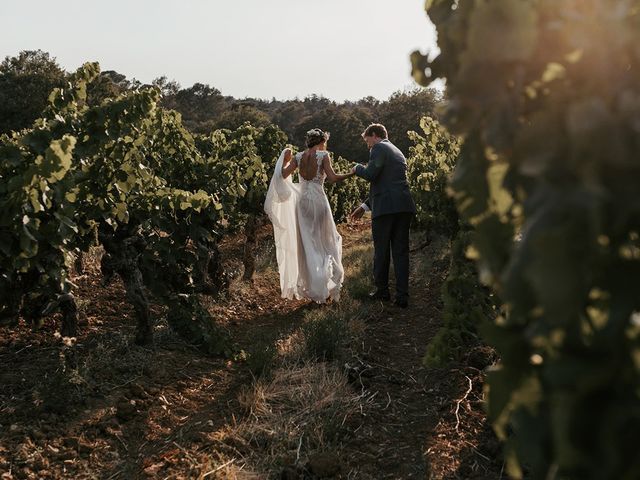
376 129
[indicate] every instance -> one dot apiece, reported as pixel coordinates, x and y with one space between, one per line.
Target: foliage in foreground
547 96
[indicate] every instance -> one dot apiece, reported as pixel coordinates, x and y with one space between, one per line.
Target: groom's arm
374 167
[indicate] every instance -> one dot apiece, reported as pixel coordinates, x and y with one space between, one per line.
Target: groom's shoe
401 302
379 295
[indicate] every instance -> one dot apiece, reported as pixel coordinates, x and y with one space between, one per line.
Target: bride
308 246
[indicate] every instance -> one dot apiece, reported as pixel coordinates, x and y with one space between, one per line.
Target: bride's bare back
308 165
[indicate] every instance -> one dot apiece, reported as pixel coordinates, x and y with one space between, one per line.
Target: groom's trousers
391 239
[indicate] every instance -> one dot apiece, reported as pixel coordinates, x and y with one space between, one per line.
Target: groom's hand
357 214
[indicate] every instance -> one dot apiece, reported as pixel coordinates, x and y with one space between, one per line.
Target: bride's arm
333 177
288 164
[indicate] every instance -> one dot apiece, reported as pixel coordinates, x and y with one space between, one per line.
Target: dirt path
103 408
400 391
409 427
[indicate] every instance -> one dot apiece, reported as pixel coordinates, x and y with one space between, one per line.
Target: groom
392 209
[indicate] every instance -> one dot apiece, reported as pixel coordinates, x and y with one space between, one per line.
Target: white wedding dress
308 246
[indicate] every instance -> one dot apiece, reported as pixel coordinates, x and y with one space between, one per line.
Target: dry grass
303 406
291 346
299 410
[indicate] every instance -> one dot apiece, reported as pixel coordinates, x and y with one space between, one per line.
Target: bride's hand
288 164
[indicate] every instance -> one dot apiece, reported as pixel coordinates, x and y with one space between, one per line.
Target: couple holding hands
308 245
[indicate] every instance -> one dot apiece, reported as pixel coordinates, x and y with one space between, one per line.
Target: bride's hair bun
315 136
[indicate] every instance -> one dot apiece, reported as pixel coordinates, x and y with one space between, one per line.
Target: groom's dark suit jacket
387 173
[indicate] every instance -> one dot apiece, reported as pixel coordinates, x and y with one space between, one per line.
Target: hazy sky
342 49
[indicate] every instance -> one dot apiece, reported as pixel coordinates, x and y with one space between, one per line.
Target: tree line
27 79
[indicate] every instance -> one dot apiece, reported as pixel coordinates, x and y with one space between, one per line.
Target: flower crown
316 132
